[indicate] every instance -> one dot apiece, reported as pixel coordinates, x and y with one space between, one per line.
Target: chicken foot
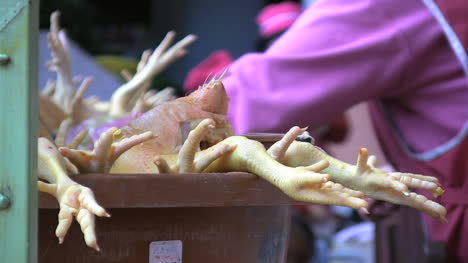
364 176
75 200
237 153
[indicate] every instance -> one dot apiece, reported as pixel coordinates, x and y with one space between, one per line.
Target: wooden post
18 130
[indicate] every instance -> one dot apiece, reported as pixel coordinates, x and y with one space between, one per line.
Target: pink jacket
340 53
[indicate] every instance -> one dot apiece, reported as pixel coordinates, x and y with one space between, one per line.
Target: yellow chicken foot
237 153
60 63
186 161
300 183
124 98
279 148
60 138
365 177
106 150
74 199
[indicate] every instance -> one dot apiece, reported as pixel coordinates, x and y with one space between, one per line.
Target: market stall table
219 217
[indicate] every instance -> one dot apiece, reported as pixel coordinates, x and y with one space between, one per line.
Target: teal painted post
18 130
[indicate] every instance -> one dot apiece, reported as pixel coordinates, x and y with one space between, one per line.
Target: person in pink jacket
406 57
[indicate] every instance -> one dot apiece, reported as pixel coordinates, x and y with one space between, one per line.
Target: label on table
166 251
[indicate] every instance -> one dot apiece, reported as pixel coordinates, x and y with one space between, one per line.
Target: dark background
126 28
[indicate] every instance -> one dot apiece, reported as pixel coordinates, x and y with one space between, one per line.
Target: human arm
337 54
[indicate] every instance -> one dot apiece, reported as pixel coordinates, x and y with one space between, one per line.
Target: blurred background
116 31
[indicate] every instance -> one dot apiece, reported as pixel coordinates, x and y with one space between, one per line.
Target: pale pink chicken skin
175 118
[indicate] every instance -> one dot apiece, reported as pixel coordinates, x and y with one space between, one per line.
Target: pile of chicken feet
186 135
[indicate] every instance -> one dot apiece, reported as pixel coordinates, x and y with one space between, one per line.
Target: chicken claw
60 63
393 187
304 183
75 200
106 150
366 178
186 161
238 153
124 98
326 192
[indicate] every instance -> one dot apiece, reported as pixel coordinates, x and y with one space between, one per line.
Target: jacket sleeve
337 54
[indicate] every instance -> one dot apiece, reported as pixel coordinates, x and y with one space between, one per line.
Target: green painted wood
18 130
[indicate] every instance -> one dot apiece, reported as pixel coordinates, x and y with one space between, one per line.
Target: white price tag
166 251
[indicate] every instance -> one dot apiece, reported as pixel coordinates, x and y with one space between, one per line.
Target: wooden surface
178 190
219 217
18 130
208 234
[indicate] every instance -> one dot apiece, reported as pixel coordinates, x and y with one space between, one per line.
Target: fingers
87 224
204 161
49 88
80 93
127 143
163 55
318 167
414 182
372 161
47 188
398 186
88 202
420 177
163 46
425 205
103 145
106 151
78 201
76 79
162 165
150 93
78 139
305 178
344 196
91 100
185 42
162 96
78 98
57 46
278 149
60 138
339 188
65 219
126 74
79 158
83 206
52 65
378 180
361 165
414 200
382 182
144 59
78 110
191 145
330 193
178 50
70 167
54 22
